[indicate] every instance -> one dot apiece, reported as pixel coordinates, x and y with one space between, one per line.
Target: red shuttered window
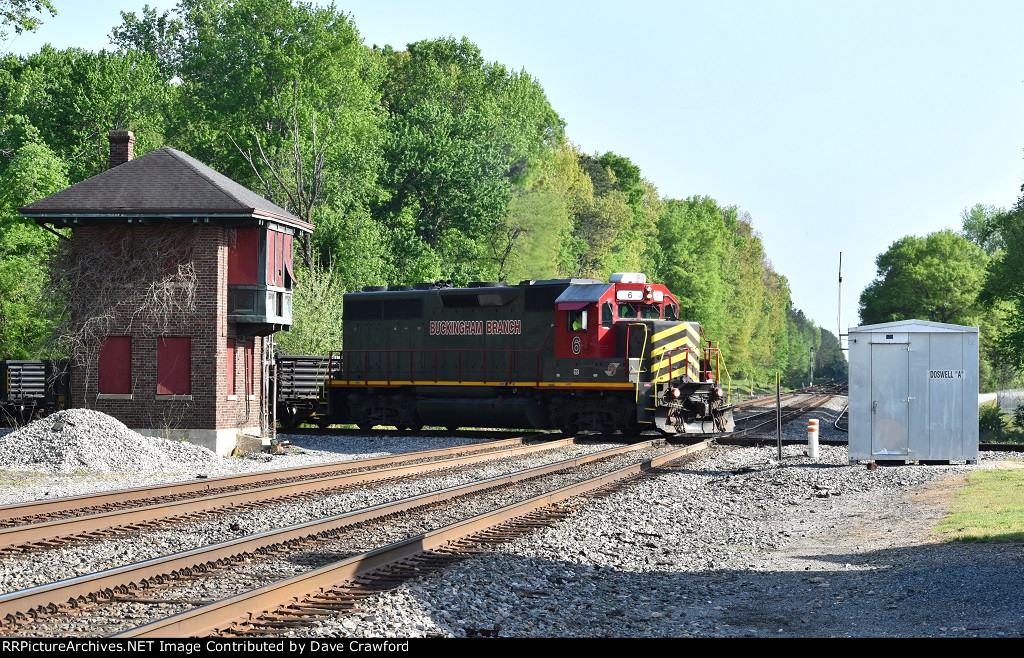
116 365
244 257
231 366
174 366
271 257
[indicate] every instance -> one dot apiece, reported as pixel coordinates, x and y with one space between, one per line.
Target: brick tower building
178 278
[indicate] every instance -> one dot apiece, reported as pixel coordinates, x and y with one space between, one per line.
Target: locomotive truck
567 354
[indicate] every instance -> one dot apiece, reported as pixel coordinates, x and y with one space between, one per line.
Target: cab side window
577 320
607 315
671 312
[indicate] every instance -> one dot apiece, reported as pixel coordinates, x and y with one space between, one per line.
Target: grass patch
997 427
989 508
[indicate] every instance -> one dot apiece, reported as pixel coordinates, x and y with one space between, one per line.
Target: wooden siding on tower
244 258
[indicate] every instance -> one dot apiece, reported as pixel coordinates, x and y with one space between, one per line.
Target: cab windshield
628 311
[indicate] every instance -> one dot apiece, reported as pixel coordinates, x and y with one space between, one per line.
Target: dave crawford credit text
216 645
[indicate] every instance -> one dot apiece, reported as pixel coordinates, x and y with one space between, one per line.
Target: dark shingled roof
162 182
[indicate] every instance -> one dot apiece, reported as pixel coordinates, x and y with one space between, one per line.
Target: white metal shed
913 392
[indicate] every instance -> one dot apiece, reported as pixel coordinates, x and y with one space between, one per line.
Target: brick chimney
122 146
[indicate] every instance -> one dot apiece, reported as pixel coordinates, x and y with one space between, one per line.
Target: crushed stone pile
87 440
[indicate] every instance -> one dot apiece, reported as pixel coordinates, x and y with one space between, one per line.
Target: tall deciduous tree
26 317
22 16
463 133
1004 284
935 278
283 97
982 226
74 98
157 34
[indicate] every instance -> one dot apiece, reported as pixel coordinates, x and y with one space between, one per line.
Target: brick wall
208 406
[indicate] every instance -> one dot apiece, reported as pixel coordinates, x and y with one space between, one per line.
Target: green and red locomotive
568 354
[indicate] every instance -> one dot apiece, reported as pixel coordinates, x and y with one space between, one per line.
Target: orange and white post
812 438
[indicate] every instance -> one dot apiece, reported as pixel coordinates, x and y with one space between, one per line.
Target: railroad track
797 406
58 522
98 601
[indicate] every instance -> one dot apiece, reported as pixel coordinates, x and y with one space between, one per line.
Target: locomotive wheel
366 427
571 430
451 428
416 427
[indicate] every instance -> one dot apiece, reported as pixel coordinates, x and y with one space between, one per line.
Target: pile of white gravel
87 440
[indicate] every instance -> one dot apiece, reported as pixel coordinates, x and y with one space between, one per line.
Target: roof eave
63 216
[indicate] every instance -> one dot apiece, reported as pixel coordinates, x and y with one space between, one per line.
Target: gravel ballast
736 543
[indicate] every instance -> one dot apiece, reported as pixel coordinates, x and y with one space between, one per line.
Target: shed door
890 407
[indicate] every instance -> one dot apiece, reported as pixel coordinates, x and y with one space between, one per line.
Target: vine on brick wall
140 281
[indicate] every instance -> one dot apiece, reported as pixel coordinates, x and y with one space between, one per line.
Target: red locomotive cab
576 330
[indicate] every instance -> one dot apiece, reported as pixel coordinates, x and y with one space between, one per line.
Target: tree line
414 165
973 277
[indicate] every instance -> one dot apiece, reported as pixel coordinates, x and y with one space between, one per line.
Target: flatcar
566 354
299 382
32 389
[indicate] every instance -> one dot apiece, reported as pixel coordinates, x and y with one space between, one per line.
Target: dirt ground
872 566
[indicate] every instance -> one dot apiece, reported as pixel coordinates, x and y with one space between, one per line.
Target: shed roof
915 327
162 183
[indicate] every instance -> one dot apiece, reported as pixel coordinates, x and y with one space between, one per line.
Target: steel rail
71 503
148 514
74 592
788 413
248 606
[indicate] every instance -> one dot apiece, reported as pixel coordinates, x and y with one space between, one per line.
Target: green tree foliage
714 262
615 231
284 98
942 278
73 98
692 260
935 278
1004 285
26 318
22 16
803 340
463 133
981 225
317 309
830 363
414 165
159 35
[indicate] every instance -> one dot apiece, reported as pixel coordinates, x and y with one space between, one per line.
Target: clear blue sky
839 126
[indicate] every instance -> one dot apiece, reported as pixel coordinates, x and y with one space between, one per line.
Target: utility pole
839 335
812 366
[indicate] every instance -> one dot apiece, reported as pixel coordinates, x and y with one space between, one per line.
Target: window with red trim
174 366
116 365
